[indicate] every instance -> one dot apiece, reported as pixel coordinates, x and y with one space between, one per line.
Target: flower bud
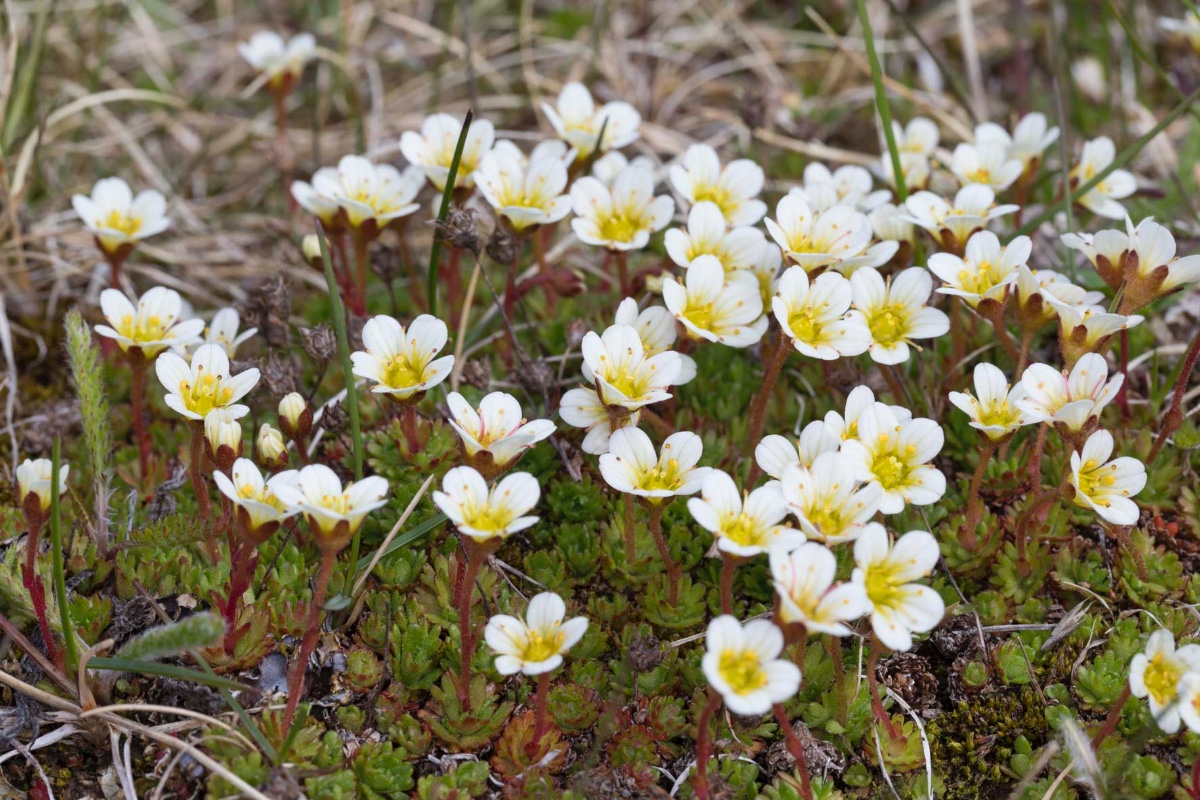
223 433
271 447
295 417
33 486
311 246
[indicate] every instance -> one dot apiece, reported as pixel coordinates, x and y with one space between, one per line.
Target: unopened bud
311 246
295 417
271 447
223 433
34 487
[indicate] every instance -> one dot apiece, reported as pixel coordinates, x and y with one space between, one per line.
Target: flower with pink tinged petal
496 427
1071 400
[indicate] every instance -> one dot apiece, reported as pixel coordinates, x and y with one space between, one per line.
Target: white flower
576 120
1102 200
734 188
281 62
497 427
742 526
537 643
827 500
1028 141
223 330
742 663
432 150
624 376
270 445
707 234
985 164
1156 673
895 454
915 167
775 453
899 606
895 312
1105 486
1072 400
152 326
995 409
813 314
116 218
319 198
848 185
623 217
920 136
291 410
985 272
526 194
581 408
1188 27
365 192
952 225
259 509
401 361
632 466
714 308
1189 684
839 237
484 514
860 400
197 388
333 512
1035 289
222 429
803 581
35 476
1142 253
889 223
606 168
656 326
1085 328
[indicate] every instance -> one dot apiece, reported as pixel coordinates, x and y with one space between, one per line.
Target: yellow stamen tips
117 221
401 373
542 646
1162 678
742 670
246 491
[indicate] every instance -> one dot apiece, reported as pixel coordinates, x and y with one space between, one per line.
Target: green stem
436 250
881 102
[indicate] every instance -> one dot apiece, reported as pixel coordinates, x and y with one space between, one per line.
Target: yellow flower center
1001 414
631 383
489 518
144 327
401 373
742 670
1161 678
803 324
247 491
622 225
542 646
889 324
117 221
981 175
882 588
715 193
700 316
664 476
743 530
826 518
889 470
981 279
1096 482
206 394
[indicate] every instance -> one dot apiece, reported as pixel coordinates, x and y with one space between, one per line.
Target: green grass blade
405 538
435 251
167 671
255 734
56 558
881 102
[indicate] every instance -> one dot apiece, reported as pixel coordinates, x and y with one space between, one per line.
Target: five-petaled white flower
432 150
35 477
995 408
742 663
894 311
621 217
746 525
1035 290
537 643
197 388
118 219
920 136
848 185
496 427
838 237
717 307
812 313
624 375
152 325
895 455
577 121
1073 400
1156 674
707 234
1144 254
887 573
1106 486
334 513
951 225
1087 328
401 361
525 192
803 581
482 513
223 330
581 408
985 272
259 508
1189 685
775 453
860 399
367 194
1029 139
632 466
734 188
827 499
281 62
1103 198
986 164
656 326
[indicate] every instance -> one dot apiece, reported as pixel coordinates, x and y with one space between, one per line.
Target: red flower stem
729 564
475 557
358 301
796 748
630 532
704 745
873 686
1174 417
674 571
195 469
758 406
541 723
408 424
539 254
1026 517
309 642
37 591
137 402
1114 717
623 272
974 505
